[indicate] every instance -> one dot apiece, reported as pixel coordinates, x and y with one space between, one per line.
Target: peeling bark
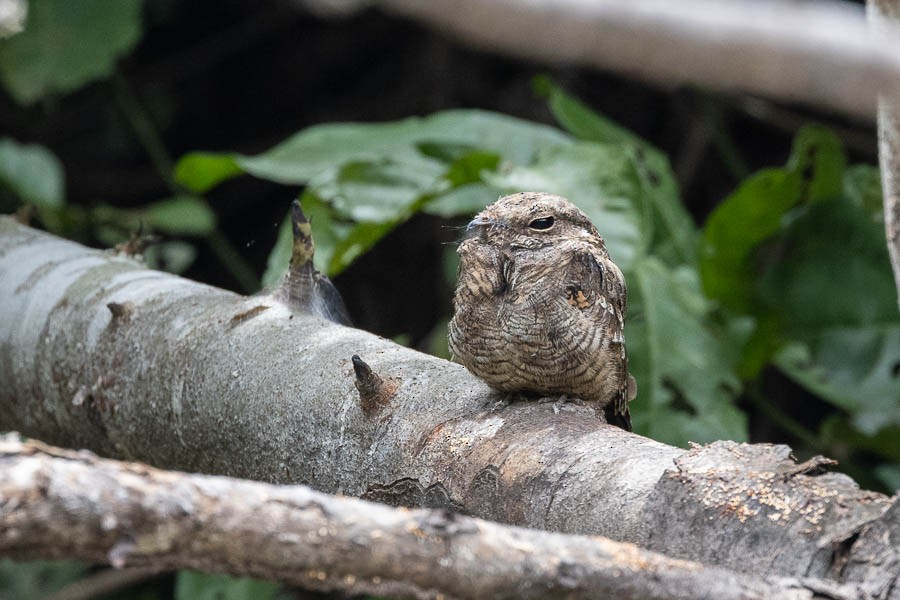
819 53
273 397
56 503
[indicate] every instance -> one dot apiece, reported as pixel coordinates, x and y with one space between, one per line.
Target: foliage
67 44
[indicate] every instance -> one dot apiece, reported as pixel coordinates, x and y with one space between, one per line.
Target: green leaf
363 180
669 229
32 173
374 192
470 168
818 158
191 585
802 250
756 211
316 150
201 171
420 144
862 185
466 199
578 119
180 215
835 300
737 227
66 45
683 365
444 152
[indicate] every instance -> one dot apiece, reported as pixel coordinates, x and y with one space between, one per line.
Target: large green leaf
835 300
179 215
32 173
201 171
682 364
466 199
737 227
317 151
730 256
67 44
668 228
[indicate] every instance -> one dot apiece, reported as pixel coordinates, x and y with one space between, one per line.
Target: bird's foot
560 401
503 402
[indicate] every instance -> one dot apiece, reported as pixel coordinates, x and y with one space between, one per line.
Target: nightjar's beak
479 221
479 226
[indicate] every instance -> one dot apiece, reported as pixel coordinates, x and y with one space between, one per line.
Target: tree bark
98 352
56 503
819 53
884 14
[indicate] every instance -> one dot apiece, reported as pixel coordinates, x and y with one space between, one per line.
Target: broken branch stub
375 392
304 289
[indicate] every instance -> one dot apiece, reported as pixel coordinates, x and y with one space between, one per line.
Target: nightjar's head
531 220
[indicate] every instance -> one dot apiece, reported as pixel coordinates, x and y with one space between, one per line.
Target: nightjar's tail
617 417
616 412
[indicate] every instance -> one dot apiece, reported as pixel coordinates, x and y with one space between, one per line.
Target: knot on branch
121 311
246 315
375 392
303 288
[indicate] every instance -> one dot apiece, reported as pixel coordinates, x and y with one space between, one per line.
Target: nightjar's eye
542 223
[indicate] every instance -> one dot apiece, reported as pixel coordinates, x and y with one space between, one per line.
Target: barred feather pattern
539 306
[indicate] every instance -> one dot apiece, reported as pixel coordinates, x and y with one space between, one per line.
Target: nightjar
540 307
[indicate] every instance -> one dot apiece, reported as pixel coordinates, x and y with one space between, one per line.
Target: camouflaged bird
540 307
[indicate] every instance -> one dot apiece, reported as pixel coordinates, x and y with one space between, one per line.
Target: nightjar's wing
597 287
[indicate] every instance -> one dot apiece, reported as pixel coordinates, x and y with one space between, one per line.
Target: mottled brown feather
540 308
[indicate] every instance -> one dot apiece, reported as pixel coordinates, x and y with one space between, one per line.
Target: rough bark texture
820 53
884 14
56 503
198 379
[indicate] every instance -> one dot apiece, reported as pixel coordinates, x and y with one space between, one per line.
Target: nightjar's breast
537 321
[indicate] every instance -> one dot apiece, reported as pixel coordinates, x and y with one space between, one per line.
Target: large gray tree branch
820 53
65 504
99 352
884 14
